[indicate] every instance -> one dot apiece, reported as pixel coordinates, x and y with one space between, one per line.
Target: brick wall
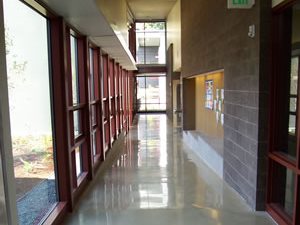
213 38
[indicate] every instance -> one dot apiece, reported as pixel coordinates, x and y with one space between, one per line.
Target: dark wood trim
57 215
80 140
88 156
283 6
106 103
60 103
277 214
281 52
79 106
151 69
82 185
282 160
150 21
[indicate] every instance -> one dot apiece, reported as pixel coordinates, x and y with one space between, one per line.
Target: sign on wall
240 4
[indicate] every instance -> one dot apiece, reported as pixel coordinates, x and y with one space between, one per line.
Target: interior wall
115 12
174 34
206 121
213 38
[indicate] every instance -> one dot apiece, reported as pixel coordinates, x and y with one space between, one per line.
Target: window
95 104
284 145
74 68
150 43
76 100
151 93
30 98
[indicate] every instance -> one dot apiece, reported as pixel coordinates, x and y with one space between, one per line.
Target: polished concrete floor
156 180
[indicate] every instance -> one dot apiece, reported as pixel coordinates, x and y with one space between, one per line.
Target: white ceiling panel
151 9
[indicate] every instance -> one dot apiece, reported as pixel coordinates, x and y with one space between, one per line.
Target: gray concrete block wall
213 38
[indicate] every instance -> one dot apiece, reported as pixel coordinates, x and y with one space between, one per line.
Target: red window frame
106 103
279 97
95 104
82 140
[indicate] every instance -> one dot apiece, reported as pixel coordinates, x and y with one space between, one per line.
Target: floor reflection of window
154 196
30 111
163 159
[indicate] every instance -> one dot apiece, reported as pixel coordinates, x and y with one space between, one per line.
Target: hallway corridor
157 180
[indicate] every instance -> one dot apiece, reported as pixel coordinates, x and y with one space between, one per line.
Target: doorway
30 90
151 93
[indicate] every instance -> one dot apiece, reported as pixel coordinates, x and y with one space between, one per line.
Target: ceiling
151 9
85 16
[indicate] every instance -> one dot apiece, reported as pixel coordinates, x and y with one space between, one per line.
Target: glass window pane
283 187
74 70
30 111
78 161
94 118
141 91
142 107
140 47
163 107
286 121
292 124
162 89
151 93
152 90
294 75
151 46
155 26
92 75
77 123
139 26
155 48
94 144
293 104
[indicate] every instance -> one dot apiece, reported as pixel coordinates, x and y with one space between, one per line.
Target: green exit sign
240 4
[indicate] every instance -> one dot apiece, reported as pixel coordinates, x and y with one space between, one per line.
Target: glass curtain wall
151 43
29 82
151 93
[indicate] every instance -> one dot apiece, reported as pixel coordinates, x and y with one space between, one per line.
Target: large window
150 43
95 105
151 93
284 125
77 117
29 82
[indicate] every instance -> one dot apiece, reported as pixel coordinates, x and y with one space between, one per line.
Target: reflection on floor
157 180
